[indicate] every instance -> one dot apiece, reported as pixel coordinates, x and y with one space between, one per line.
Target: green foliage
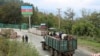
14 48
83 28
10 11
97 34
95 19
67 26
91 45
3 47
88 25
49 19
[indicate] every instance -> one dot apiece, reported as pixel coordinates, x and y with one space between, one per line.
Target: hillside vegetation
14 48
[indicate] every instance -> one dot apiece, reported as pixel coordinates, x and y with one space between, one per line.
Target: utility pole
29 21
59 17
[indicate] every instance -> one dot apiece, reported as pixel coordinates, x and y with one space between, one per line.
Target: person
54 33
64 37
44 35
23 38
50 33
26 38
60 34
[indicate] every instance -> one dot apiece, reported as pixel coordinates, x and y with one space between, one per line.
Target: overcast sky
77 5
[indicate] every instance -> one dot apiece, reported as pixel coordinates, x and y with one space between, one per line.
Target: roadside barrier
98 54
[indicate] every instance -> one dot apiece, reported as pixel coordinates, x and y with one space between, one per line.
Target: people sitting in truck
50 33
64 36
54 33
47 32
57 35
68 37
60 34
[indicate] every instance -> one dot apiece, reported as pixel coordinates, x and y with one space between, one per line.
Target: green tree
83 27
69 15
10 13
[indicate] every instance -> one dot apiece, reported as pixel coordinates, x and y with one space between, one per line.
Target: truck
59 47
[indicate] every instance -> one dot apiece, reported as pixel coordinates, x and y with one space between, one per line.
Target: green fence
17 26
24 26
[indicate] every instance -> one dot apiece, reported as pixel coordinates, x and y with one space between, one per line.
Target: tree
69 15
85 13
95 19
83 27
10 13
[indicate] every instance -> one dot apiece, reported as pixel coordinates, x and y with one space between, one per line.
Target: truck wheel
55 53
51 52
43 46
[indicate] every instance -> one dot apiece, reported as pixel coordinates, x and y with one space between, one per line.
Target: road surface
35 40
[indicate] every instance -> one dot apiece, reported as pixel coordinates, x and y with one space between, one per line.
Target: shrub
83 28
14 48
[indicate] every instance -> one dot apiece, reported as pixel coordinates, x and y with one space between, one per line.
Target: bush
14 48
83 28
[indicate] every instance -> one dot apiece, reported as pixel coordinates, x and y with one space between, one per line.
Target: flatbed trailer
59 47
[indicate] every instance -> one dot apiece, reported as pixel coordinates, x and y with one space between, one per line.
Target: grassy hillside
14 48
91 45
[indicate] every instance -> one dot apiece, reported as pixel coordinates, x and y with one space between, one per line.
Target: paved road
35 40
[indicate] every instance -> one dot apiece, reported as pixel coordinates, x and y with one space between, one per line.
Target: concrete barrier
35 31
